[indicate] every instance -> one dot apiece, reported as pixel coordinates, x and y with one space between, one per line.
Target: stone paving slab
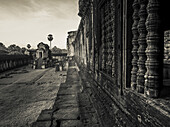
69 113
46 115
66 101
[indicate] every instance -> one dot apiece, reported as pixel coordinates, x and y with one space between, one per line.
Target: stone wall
126 74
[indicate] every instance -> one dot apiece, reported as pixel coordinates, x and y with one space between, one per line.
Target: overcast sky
30 21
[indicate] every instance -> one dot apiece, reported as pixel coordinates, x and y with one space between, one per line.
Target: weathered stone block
46 115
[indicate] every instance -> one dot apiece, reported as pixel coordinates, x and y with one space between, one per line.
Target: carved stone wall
135 106
108 38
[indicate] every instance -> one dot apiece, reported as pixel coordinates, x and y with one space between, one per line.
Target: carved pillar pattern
112 6
106 27
142 46
107 37
135 44
152 76
103 39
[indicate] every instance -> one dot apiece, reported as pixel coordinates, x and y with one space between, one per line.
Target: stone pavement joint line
72 107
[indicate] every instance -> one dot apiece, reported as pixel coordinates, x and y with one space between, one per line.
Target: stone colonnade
146 71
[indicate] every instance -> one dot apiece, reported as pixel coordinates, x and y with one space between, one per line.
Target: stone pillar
153 50
142 46
135 44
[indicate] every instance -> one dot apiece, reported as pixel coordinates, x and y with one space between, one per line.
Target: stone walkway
73 107
21 104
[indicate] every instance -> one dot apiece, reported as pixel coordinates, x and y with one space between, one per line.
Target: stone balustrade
8 62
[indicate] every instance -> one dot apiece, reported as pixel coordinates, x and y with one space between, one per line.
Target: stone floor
22 75
72 107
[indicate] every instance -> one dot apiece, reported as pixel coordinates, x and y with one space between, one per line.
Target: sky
25 22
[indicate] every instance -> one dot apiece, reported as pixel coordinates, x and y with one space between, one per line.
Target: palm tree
50 38
28 46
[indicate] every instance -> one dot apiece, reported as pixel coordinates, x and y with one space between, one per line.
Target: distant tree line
58 50
11 49
14 49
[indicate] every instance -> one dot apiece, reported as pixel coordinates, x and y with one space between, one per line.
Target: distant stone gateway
43 56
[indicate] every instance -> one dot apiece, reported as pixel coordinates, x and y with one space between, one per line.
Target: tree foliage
23 49
50 37
14 49
56 50
2 46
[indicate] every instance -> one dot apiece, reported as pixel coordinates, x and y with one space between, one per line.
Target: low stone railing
8 62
